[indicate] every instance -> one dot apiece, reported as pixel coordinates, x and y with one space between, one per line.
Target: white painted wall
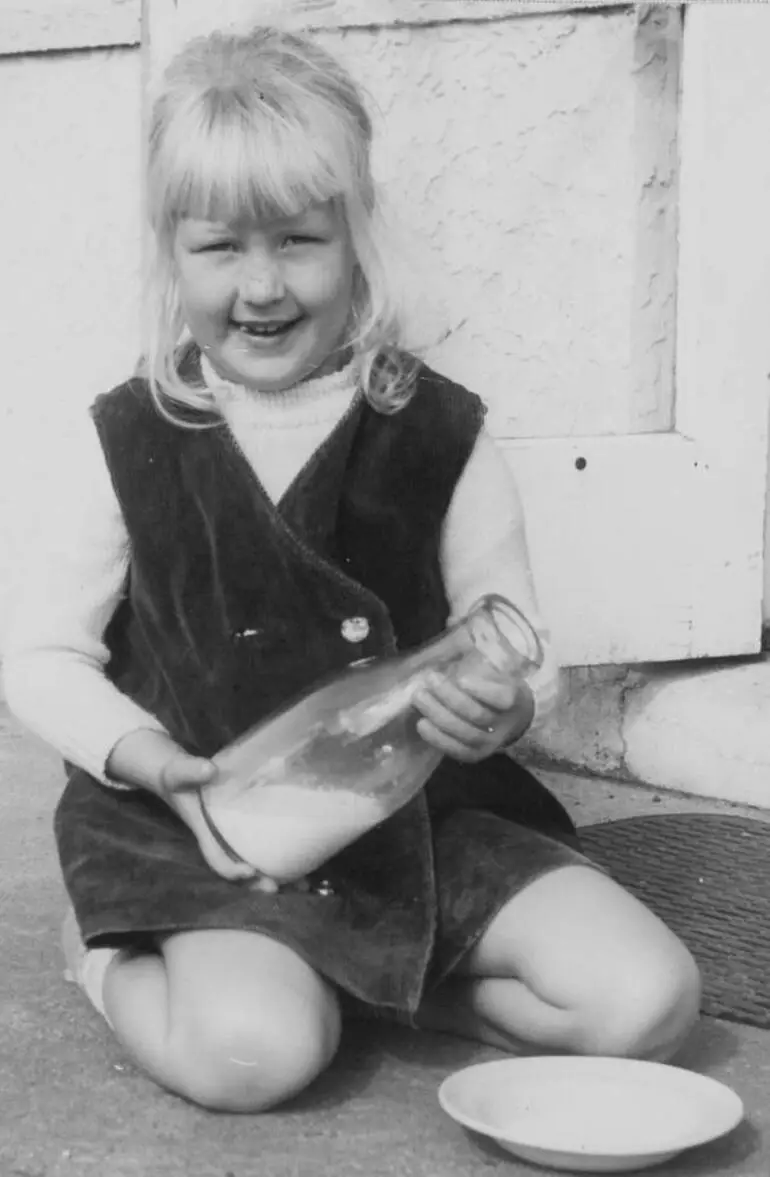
70 249
556 247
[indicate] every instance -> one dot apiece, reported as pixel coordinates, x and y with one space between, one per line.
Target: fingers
458 749
479 701
458 715
468 719
181 780
188 805
183 772
495 693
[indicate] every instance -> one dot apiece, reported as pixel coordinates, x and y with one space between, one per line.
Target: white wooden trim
38 26
636 555
723 309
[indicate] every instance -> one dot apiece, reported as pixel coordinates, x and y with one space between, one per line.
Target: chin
267 380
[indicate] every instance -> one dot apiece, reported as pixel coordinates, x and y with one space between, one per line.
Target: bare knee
597 972
250 1061
649 1019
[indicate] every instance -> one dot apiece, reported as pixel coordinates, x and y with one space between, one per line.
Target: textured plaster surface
697 727
70 244
531 164
37 26
703 728
586 729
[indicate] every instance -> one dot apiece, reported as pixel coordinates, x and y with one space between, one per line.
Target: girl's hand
474 716
151 760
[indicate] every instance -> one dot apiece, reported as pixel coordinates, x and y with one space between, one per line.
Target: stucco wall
532 165
70 248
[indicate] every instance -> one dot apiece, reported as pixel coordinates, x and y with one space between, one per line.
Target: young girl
281 492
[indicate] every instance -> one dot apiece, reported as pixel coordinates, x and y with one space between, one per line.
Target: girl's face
268 302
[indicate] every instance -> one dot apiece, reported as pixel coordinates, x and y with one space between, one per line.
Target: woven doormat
708 877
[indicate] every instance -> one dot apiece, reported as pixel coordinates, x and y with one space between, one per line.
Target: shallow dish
597 1115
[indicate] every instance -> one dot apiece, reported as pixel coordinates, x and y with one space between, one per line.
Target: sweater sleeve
68 588
484 550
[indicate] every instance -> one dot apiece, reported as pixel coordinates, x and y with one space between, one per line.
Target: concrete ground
72 1106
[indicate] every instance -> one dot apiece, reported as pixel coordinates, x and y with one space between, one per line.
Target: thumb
186 772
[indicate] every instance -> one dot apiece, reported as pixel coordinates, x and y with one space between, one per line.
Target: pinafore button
355 629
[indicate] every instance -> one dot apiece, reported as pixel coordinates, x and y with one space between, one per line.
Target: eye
217 247
301 239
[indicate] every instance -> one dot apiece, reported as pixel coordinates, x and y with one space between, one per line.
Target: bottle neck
495 631
451 646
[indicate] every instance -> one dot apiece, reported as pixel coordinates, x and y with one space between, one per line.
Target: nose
262 281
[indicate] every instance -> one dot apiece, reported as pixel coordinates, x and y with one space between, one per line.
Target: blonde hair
263 124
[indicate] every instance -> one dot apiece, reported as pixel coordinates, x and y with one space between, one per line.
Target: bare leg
573 963
228 1019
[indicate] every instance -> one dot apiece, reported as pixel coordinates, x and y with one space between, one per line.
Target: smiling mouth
267 330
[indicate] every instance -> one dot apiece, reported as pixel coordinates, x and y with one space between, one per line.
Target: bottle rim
511 625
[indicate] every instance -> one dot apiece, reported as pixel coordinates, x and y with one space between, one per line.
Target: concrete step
700 728
591 799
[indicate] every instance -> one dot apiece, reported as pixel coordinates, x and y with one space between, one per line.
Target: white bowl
597 1115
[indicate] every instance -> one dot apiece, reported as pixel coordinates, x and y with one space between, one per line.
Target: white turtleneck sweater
74 579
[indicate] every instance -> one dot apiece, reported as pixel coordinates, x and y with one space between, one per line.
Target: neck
327 372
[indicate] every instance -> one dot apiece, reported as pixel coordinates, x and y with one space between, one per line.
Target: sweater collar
320 399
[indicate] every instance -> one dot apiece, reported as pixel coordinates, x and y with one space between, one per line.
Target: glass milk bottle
298 788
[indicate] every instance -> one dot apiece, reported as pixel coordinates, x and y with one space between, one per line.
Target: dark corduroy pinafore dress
234 605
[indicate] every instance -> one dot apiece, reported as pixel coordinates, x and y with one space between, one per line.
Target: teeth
254 329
